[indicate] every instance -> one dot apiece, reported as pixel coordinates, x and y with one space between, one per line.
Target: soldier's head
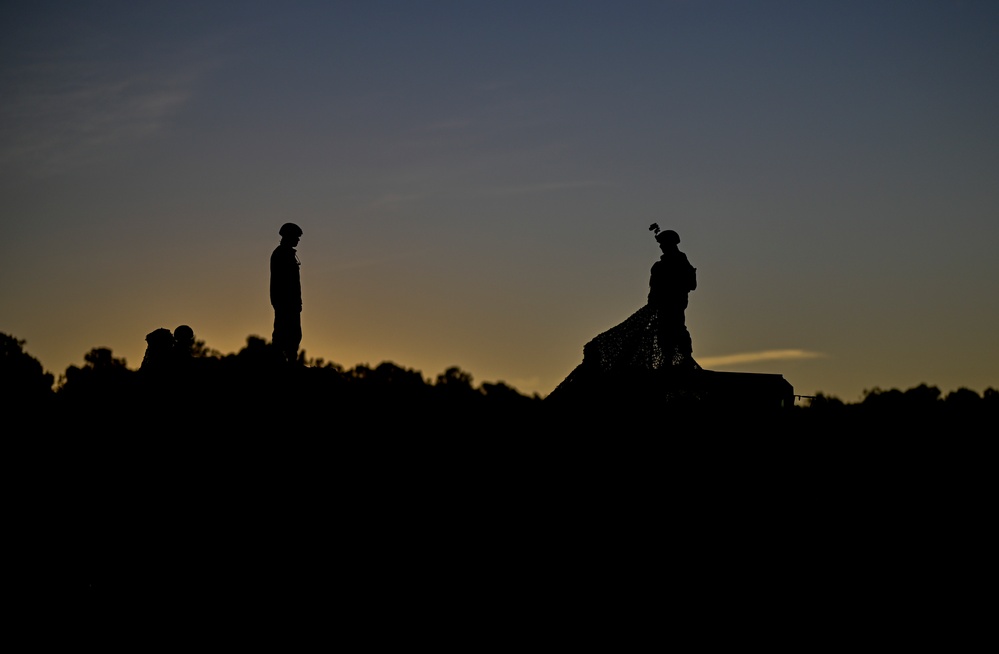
183 336
667 237
290 232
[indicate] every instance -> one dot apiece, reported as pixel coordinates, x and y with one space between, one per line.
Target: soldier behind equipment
670 281
183 342
159 350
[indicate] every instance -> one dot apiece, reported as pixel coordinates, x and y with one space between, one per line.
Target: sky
476 181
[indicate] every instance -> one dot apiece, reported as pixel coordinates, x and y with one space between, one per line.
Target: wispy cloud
758 357
65 114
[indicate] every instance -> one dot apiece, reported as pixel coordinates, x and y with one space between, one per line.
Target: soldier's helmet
183 335
668 237
290 229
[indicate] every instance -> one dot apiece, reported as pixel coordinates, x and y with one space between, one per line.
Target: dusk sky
475 180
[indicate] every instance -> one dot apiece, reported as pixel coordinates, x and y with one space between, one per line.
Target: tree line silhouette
184 385
193 386
201 476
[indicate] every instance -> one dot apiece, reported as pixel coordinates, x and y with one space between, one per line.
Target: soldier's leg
287 334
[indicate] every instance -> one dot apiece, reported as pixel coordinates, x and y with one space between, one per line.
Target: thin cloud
759 357
64 115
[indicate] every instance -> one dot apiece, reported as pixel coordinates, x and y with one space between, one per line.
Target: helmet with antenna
665 237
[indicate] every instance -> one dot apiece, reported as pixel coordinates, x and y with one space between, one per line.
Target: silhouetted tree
389 374
101 370
963 398
101 395
822 402
922 396
24 383
454 378
509 409
502 393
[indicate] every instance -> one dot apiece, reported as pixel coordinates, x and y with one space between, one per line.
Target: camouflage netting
633 345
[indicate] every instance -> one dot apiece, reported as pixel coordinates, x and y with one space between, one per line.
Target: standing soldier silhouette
672 278
286 293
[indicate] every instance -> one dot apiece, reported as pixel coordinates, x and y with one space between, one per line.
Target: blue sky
475 180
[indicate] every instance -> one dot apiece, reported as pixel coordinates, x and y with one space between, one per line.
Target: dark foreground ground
454 521
259 505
